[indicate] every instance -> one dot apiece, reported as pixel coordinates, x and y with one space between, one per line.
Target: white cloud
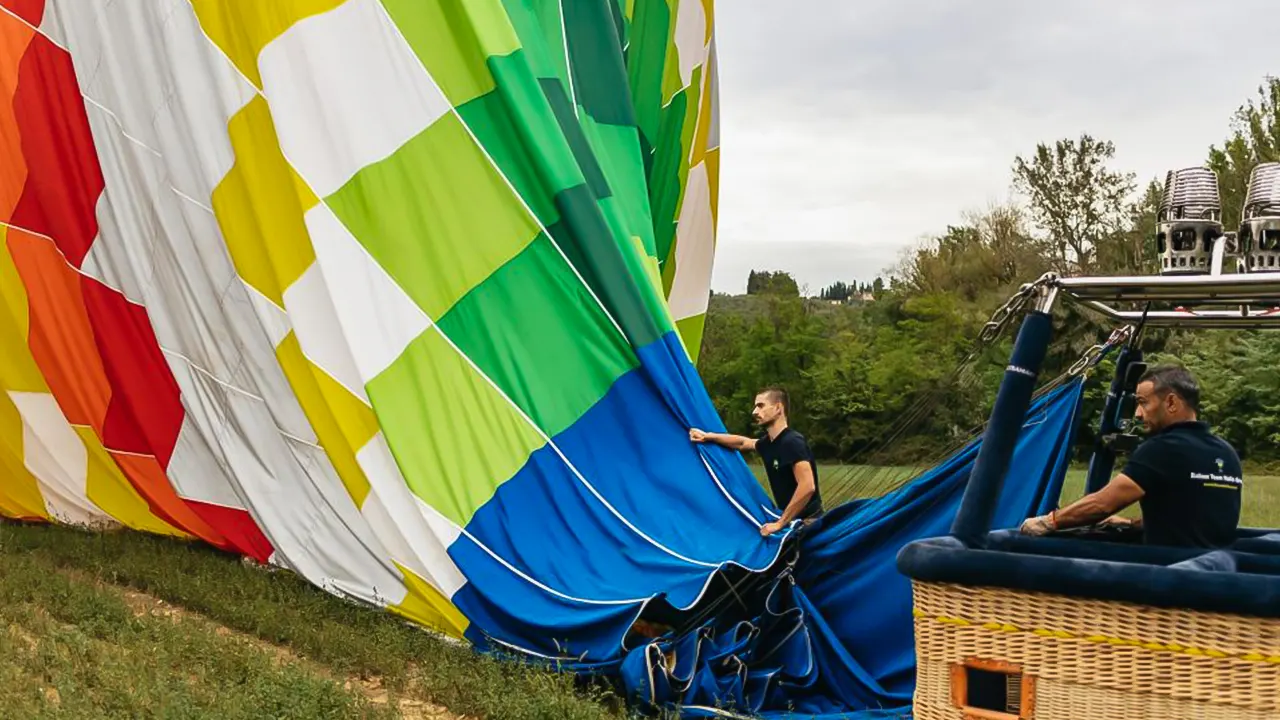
849 130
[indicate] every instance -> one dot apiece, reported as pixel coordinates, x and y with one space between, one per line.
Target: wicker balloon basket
995 654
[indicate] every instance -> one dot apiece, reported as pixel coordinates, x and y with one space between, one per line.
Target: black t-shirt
780 456
1192 480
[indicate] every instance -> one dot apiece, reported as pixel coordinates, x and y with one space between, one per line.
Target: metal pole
1219 256
1253 288
1203 319
973 521
1103 460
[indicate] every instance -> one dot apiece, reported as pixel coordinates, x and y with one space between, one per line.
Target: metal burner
1189 222
1259 234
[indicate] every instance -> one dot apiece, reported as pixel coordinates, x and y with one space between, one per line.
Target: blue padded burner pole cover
1104 458
973 521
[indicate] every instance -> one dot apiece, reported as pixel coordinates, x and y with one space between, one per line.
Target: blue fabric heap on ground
830 635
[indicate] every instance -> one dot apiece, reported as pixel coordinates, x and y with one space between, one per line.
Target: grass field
126 625
1260 505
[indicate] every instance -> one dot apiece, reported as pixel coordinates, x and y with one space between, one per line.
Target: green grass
246 642
1260 505
347 640
70 647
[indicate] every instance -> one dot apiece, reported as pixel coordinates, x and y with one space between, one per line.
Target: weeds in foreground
277 607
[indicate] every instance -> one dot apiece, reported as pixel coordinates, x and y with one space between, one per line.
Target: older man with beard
1186 479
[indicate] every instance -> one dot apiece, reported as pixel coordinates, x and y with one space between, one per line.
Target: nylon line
37 30
568 62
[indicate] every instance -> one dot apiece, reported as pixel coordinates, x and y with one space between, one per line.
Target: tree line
877 381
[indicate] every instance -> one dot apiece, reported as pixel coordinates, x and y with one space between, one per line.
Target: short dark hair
1175 379
778 395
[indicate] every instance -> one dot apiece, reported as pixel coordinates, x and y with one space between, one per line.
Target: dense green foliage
772 283
860 369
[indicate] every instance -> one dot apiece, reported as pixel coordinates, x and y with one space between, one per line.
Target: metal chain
1118 336
1086 360
1017 303
1014 305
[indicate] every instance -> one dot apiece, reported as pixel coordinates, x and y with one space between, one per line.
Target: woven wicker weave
1097 659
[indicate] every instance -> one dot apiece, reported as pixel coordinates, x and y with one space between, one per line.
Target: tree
990 254
772 283
1255 138
1074 198
855 370
1241 397
838 291
1133 251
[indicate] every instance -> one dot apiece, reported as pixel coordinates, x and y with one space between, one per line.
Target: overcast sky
852 128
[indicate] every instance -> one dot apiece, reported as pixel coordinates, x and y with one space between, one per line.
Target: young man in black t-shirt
788 461
1187 480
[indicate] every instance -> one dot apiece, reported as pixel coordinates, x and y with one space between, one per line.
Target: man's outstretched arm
1119 494
733 442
